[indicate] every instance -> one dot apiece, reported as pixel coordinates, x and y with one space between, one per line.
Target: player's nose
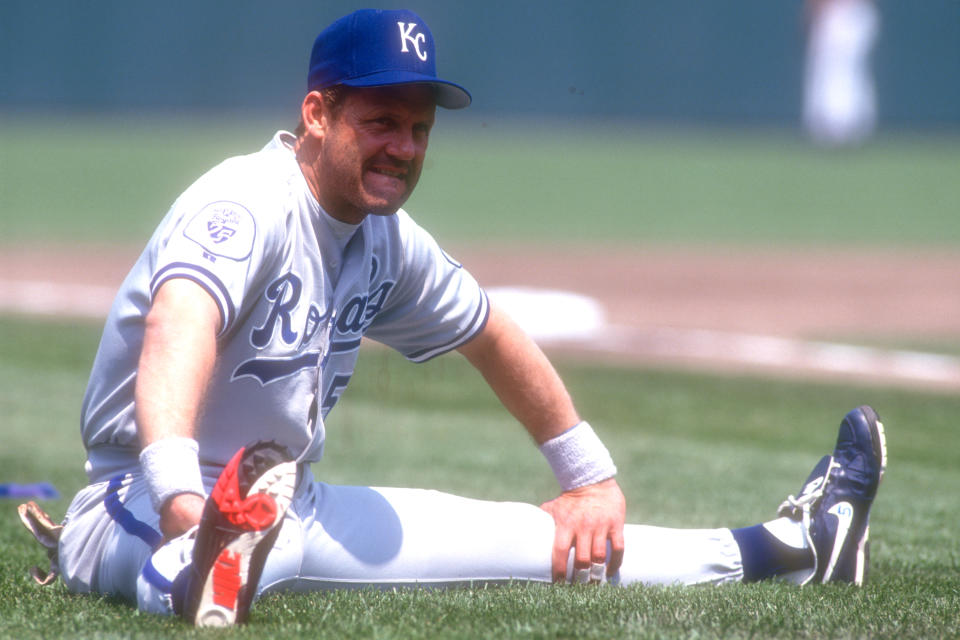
403 146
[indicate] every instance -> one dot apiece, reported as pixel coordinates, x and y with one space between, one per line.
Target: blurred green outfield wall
717 61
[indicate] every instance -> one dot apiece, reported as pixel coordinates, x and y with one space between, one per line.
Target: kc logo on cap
415 40
376 48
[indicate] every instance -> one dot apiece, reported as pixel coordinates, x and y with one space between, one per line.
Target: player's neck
309 162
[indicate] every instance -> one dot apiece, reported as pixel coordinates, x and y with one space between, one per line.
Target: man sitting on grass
238 329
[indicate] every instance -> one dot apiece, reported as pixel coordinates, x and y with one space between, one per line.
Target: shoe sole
230 584
878 439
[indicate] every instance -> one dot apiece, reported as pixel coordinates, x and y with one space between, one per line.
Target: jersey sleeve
435 306
218 242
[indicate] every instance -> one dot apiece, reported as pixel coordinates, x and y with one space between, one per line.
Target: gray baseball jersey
296 290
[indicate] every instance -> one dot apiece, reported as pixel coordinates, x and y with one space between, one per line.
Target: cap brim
449 94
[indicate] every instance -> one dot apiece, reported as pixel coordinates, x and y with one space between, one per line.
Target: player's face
373 149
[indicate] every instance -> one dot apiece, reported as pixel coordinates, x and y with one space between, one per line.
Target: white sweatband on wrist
578 458
171 466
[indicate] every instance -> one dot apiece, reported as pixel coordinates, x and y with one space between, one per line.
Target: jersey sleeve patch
224 229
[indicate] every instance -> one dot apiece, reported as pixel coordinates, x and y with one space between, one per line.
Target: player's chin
385 202
383 207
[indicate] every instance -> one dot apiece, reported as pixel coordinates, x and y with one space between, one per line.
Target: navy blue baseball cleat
834 503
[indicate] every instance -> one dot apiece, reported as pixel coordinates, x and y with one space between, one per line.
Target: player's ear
312 115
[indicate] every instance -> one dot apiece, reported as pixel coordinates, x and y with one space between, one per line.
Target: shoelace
793 506
801 507
796 507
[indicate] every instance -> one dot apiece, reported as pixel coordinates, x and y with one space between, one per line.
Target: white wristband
578 458
171 466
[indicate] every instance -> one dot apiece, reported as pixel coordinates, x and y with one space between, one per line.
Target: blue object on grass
41 490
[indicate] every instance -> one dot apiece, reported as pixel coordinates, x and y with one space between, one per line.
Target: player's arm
176 363
589 516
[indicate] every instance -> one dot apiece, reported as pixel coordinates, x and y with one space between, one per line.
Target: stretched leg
343 536
340 537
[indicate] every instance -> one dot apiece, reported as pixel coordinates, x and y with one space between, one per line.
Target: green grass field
78 179
694 451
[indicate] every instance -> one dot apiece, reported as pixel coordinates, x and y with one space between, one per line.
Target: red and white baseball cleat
240 523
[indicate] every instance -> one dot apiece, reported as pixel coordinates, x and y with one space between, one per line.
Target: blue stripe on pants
127 520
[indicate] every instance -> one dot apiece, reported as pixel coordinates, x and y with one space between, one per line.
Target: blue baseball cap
375 48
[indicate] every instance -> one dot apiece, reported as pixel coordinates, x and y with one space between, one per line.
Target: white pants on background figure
839 99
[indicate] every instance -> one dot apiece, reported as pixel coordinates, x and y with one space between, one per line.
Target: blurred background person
839 104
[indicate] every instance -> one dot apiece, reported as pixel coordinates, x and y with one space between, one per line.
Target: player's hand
586 519
179 513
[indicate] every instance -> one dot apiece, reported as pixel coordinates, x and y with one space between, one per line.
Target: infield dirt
825 294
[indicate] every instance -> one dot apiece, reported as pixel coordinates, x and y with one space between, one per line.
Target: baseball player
238 328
